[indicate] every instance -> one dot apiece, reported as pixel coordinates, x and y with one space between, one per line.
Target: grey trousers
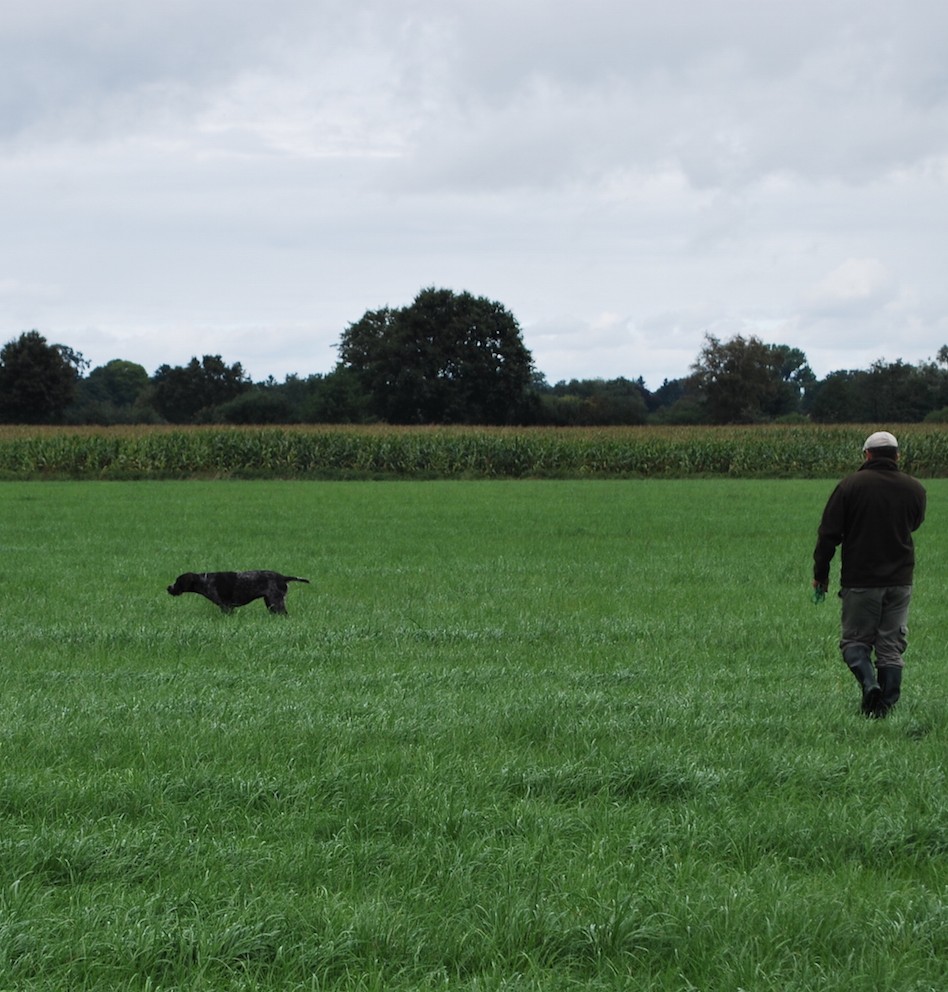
877 618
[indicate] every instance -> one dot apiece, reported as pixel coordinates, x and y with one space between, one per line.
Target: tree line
453 358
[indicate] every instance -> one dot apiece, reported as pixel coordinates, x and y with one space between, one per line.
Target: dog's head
184 583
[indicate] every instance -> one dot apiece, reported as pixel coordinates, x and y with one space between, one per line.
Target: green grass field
514 735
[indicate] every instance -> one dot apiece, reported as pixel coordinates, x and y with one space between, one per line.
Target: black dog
230 589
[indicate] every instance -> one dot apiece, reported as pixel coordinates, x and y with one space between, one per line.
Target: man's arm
829 536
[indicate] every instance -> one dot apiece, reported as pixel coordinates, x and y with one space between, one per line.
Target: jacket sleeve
828 536
920 510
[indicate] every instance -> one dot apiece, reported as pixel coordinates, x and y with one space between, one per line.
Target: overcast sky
190 177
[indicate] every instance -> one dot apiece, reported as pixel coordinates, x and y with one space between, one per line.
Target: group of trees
459 359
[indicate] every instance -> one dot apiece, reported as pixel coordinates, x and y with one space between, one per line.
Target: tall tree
37 380
745 381
894 392
117 382
903 393
184 394
446 358
840 398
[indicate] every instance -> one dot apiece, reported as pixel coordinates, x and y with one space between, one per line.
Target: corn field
798 451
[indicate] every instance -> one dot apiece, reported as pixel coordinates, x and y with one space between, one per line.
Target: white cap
881 439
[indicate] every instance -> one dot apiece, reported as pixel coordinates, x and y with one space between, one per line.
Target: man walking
872 514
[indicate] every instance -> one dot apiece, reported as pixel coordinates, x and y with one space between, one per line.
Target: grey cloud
92 68
199 165
729 93
493 94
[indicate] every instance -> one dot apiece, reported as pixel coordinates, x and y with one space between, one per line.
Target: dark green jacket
872 514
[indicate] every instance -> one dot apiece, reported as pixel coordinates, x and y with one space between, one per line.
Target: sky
190 177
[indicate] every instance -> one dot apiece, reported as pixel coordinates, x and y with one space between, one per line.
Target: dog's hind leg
275 597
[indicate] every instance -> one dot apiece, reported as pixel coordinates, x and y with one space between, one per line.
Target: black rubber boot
890 682
859 659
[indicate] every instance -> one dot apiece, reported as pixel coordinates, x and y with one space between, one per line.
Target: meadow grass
514 735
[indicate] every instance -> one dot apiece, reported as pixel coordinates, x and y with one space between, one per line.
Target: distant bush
255 407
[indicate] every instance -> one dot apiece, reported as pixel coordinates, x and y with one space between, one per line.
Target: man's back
873 513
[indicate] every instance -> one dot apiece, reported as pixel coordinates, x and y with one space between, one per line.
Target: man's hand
819 591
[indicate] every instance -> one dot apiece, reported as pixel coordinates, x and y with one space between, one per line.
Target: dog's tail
293 578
